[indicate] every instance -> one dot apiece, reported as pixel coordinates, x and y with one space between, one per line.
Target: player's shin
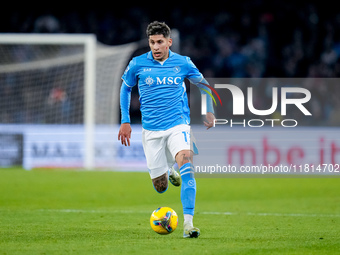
188 190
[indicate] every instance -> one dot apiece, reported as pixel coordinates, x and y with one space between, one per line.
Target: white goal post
89 41
111 58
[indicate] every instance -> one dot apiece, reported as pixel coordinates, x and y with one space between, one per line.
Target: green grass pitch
79 212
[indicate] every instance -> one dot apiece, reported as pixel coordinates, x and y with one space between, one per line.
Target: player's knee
161 183
183 157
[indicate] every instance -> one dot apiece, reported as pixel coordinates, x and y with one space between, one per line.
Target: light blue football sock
188 188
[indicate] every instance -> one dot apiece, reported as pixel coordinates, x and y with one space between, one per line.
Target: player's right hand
124 134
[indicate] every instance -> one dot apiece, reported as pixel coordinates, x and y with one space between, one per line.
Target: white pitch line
273 214
207 213
93 211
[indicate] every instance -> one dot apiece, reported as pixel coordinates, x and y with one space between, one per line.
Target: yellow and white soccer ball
164 220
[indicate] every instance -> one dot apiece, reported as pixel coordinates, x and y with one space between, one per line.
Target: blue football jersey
162 92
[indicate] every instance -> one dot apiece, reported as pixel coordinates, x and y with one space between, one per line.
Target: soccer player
160 75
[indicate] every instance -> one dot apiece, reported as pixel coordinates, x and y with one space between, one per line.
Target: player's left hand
210 120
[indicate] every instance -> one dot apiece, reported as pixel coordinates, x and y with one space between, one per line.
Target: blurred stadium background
243 39
42 115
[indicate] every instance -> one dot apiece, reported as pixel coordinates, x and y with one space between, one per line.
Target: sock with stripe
188 188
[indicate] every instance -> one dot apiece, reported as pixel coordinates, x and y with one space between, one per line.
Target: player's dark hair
158 28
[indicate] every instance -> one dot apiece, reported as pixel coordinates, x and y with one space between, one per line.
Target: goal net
57 81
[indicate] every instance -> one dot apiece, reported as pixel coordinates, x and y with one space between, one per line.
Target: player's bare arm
124 134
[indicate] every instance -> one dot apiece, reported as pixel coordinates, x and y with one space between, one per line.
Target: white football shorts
161 147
